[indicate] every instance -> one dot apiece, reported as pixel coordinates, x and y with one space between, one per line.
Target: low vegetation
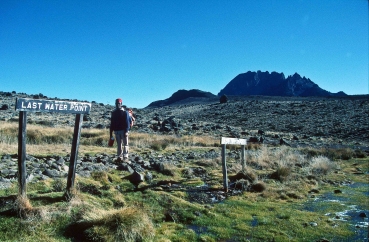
269 203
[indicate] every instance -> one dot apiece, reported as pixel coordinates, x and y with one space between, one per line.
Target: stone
51 173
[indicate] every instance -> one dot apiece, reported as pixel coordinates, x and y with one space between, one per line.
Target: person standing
120 124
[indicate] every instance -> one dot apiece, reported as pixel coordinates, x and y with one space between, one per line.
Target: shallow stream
356 216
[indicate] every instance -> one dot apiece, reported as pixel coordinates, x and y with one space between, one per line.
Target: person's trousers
122 143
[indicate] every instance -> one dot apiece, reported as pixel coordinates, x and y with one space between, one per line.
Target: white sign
233 141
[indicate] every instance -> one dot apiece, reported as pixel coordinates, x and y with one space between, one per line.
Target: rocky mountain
274 84
182 96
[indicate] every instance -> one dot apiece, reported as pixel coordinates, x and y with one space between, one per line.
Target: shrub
282 173
345 154
321 165
159 145
360 154
342 153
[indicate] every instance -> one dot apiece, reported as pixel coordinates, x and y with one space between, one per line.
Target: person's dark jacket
120 120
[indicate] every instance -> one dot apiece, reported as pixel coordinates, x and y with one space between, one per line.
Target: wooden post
22 136
74 151
243 159
232 141
224 166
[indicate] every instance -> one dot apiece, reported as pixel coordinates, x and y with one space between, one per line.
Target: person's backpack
132 115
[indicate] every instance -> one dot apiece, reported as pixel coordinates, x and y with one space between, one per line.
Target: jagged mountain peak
274 84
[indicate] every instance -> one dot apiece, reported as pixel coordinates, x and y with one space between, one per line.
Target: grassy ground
106 207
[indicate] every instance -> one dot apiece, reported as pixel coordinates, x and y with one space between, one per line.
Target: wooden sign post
74 151
231 141
22 134
39 105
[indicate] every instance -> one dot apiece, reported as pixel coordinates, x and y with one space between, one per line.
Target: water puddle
254 221
199 230
361 185
357 217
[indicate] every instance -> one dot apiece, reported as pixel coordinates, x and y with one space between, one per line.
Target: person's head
118 102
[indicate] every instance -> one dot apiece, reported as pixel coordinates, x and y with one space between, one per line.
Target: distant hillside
274 84
182 95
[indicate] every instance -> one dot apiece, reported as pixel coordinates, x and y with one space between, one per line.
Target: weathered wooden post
74 152
243 158
224 168
22 136
232 141
39 105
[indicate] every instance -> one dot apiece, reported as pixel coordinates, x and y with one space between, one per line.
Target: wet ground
356 216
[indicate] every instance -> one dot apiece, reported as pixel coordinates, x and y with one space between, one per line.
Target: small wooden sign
40 105
233 141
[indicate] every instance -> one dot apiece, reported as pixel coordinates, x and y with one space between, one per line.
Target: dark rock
135 178
60 161
100 126
261 139
314 191
86 118
223 99
283 142
51 173
4 107
253 139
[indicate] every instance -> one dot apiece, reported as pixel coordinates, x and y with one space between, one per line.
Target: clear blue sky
144 51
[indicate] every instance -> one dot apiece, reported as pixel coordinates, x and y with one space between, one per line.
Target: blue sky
145 50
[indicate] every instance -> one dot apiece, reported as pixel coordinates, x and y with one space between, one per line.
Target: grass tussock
285 159
275 158
334 154
23 206
126 224
100 176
